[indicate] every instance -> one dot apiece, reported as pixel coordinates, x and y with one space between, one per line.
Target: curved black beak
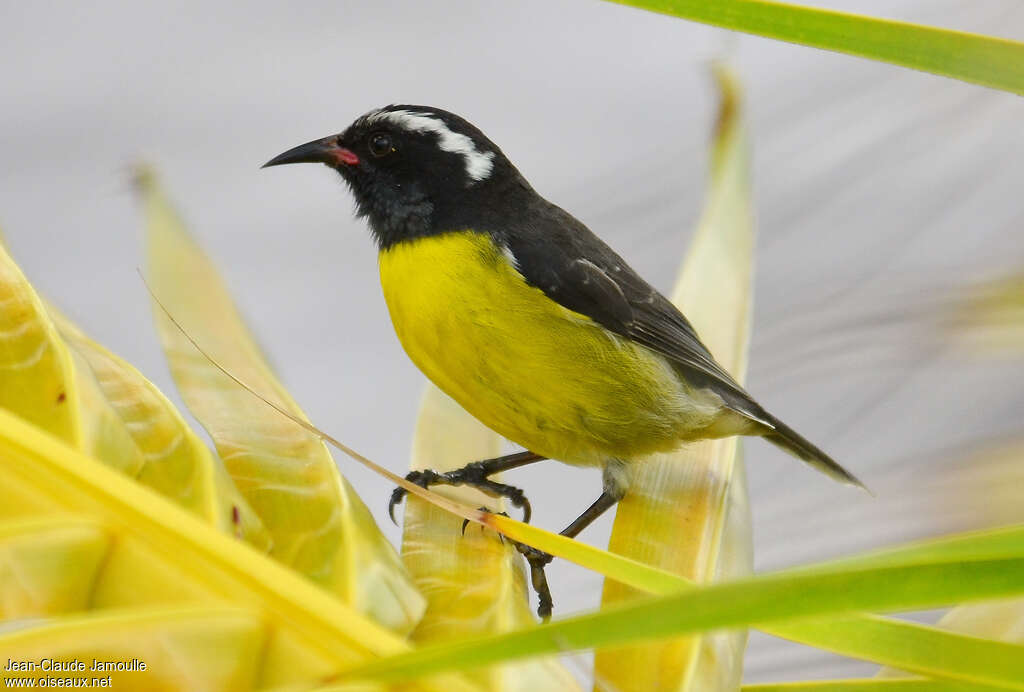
326 150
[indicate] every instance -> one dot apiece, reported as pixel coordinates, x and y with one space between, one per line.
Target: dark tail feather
790 440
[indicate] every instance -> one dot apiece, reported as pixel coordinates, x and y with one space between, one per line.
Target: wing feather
559 255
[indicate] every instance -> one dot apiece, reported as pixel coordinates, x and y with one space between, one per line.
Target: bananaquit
521 314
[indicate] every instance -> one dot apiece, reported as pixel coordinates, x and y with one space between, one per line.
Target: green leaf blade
867 685
993 62
774 598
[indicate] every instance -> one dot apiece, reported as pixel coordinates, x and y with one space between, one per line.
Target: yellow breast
543 376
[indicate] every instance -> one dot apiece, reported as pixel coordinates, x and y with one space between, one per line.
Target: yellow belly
543 376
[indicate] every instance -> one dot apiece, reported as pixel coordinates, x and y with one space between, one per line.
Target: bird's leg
615 484
538 560
477 475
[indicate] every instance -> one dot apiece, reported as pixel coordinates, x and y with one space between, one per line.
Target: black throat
393 213
400 213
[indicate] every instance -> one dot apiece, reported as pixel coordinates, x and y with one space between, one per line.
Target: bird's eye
381 144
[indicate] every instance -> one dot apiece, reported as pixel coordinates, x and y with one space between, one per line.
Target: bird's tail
790 440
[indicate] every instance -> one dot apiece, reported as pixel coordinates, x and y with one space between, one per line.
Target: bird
526 318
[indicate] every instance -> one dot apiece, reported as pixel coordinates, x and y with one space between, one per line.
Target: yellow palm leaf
35 557
175 462
687 511
989 320
160 650
46 383
474 583
203 610
319 525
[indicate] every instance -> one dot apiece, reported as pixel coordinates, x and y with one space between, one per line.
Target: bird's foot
537 561
477 476
424 479
474 475
465 522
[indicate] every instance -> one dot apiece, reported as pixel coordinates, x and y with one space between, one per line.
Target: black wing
556 253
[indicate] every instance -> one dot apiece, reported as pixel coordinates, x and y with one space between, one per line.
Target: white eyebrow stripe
478 163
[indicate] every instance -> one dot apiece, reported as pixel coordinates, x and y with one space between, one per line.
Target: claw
518 498
476 475
396 496
465 522
421 478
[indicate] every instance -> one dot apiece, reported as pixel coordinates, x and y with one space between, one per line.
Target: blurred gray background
882 195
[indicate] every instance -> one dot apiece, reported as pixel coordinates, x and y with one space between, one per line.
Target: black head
414 170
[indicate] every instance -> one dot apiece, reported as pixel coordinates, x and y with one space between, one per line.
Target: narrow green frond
767 599
868 685
986 60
